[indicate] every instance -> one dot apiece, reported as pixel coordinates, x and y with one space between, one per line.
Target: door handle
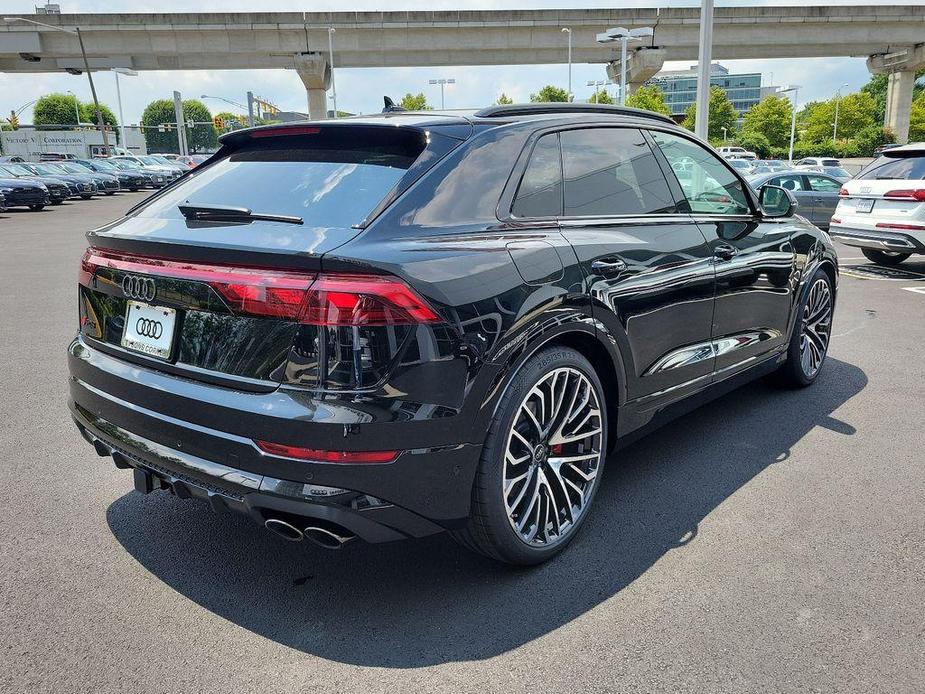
725 252
608 266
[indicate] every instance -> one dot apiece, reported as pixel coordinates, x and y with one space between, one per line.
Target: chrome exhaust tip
327 538
285 530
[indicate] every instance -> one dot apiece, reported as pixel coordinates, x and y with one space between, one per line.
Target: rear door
825 197
753 257
798 186
649 270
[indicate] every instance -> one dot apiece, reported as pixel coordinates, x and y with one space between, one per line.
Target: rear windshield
911 167
330 180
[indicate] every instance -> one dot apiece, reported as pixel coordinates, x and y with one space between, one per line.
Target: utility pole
181 123
568 31
250 109
96 103
702 122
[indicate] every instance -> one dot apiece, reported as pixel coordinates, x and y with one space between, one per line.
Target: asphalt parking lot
773 541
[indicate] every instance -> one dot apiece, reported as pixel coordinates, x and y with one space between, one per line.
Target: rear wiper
218 213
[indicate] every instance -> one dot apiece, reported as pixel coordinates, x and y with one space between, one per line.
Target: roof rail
546 108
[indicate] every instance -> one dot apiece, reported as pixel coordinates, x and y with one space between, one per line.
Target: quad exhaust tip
323 537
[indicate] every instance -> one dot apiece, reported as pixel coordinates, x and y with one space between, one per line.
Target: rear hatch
889 194
211 277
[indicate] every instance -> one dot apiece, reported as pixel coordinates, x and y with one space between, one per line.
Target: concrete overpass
891 37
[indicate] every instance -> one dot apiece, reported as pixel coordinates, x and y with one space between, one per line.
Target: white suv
882 209
737 153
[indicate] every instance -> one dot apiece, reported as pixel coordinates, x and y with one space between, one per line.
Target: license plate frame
864 205
149 329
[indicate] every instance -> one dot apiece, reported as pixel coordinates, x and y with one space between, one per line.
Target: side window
540 190
612 171
794 182
823 184
708 185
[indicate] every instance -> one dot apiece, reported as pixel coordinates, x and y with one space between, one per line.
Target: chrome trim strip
864 239
701 351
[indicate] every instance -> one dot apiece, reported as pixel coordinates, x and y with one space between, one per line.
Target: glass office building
680 88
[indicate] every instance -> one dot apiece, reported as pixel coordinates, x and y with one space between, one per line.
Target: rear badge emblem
139 288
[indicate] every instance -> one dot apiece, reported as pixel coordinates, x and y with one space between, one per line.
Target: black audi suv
387 327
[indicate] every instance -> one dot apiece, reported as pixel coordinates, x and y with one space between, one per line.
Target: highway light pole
130 73
793 118
837 100
569 32
442 82
597 84
331 32
624 36
702 122
83 52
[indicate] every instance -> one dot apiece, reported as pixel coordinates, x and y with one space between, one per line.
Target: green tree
198 137
770 118
415 102
722 115
504 100
649 98
755 142
855 113
601 97
917 120
56 109
88 115
549 94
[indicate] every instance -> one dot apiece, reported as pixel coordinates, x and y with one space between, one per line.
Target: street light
129 73
442 82
793 120
568 31
76 107
624 36
597 84
83 52
331 32
835 124
724 134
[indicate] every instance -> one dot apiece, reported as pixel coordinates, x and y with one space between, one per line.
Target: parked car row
37 184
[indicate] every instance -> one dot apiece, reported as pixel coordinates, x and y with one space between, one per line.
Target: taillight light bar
907 227
907 193
843 193
322 456
351 300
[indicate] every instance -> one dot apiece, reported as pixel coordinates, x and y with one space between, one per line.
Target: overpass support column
641 64
899 103
315 73
900 67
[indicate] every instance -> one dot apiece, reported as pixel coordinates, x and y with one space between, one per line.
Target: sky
360 90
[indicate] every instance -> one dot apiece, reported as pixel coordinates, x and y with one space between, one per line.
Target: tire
110 192
36 208
884 257
562 499
809 343
134 190
86 197
56 202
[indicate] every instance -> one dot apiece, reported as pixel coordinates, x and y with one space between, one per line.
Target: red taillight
365 300
331 300
320 456
908 227
907 193
843 193
835 220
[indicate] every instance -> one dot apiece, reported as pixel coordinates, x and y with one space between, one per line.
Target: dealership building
680 88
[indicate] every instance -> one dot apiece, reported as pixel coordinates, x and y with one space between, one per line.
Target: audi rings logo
139 288
149 328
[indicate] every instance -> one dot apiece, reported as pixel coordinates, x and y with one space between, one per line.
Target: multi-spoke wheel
810 341
542 459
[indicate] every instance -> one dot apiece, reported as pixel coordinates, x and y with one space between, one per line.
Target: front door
825 197
753 257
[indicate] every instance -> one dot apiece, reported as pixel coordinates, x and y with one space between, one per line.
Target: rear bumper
196 440
881 240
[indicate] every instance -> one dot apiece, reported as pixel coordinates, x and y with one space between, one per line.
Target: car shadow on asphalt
429 601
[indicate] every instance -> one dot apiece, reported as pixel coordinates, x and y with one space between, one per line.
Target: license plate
863 205
149 329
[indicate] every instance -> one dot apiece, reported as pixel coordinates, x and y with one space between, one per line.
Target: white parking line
917 290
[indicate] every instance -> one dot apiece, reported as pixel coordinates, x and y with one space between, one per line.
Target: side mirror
776 201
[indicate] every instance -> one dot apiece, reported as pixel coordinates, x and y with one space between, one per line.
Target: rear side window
612 171
540 191
709 186
823 184
886 168
789 182
330 179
